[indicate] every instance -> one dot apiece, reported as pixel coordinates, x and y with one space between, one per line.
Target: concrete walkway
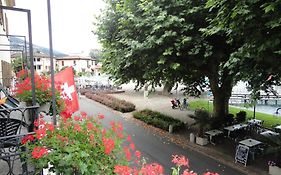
156 102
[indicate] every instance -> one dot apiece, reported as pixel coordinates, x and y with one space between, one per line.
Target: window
39 67
62 63
88 63
74 62
38 59
34 67
92 62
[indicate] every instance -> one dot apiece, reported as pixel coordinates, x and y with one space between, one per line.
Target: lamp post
51 62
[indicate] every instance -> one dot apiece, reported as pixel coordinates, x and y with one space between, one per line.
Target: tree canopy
191 42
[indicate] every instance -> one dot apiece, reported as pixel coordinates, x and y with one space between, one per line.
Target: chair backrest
10 126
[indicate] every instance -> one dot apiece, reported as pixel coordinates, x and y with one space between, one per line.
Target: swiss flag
65 79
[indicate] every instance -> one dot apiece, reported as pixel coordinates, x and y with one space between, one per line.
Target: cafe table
232 128
213 133
269 133
255 122
252 144
277 128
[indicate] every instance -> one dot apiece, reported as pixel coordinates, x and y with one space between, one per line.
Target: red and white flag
65 79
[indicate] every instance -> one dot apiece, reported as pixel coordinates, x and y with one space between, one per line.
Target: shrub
112 102
202 120
228 119
241 116
216 122
158 120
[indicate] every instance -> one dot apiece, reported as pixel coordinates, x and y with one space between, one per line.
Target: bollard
192 138
170 128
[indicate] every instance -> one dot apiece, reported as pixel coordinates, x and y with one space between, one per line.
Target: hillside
17 43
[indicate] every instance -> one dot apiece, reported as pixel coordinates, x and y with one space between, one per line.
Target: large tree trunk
167 88
221 90
220 104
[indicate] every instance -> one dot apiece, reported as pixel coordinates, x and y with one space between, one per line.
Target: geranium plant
43 91
76 145
80 145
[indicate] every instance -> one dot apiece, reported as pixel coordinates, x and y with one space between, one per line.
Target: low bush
241 116
112 102
158 120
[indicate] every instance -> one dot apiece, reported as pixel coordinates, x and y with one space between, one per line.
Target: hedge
158 120
112 102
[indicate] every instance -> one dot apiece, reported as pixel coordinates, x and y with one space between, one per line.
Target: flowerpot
45 107
274 170
201 141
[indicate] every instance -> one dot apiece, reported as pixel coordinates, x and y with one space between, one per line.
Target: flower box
274 170
201 141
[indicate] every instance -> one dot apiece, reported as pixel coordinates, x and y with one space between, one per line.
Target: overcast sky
71 22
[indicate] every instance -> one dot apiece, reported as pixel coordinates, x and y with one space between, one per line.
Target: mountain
17 43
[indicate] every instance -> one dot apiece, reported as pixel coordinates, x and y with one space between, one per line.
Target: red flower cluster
180 161
39 152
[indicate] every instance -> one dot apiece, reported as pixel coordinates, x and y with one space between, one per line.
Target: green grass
269 119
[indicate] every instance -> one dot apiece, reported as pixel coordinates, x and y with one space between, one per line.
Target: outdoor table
277 128
255 122
213 133
268 133
234 128
252 144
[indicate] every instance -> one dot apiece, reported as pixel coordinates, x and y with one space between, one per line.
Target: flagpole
52 63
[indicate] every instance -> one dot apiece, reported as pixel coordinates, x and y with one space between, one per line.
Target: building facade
81 64
5 55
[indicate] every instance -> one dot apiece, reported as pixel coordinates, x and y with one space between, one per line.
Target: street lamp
52 62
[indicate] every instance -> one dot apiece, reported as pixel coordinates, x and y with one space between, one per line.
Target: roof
35 55
76 57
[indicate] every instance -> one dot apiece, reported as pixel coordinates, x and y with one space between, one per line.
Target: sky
72 23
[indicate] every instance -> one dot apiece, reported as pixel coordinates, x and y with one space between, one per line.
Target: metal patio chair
10 142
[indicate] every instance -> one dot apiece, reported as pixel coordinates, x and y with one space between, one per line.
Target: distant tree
95 53
18 64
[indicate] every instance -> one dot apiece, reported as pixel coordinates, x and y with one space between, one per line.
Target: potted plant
202 119
274 164
23 91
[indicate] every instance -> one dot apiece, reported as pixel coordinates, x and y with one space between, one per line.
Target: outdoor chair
10 142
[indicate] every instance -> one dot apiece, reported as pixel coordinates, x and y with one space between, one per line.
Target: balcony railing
15 123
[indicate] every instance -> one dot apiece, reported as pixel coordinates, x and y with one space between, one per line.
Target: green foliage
17 64
79 145
256 25
241 116
202 44
158 120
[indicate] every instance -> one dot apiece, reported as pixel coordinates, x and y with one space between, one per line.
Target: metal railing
15 123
